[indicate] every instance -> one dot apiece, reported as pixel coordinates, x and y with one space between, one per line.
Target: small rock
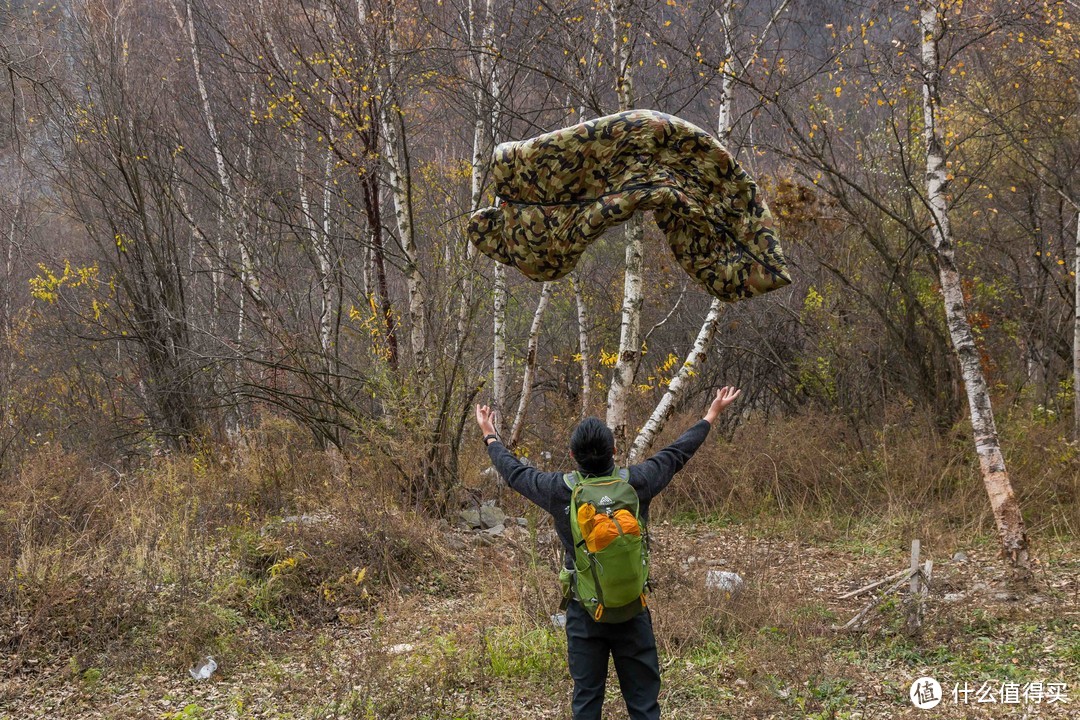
470 518
401 649
1004 596
520 522
491 515
953 597
724 581
980 587
455 543
293 520
497 530
960 556
691 560
715 562
740 682
301 520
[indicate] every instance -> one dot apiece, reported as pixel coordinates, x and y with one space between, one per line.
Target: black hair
593 445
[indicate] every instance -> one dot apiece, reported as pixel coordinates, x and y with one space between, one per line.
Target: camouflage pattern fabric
558 192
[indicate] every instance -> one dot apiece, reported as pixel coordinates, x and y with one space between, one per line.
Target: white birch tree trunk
327 262
622 379
1076 335
1010 522
575 277
530 364
678 385
681 381
486 107
583 345
318 233
727 79
400 181
7 355
248 275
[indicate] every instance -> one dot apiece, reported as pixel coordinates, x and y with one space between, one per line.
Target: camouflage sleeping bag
559 191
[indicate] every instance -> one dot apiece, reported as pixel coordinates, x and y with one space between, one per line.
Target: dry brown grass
807 468
262 550
173 560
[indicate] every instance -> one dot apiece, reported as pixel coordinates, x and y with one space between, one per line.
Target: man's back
549 490
630 642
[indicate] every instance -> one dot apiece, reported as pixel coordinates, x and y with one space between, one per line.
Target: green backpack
611 550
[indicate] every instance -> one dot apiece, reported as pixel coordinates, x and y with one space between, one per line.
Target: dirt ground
476 642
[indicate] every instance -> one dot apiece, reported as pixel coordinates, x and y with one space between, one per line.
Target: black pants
633 646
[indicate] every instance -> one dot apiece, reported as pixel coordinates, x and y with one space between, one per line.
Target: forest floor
474 641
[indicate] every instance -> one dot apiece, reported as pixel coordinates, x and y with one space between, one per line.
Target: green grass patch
516 652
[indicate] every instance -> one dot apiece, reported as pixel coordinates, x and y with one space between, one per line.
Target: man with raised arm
593 632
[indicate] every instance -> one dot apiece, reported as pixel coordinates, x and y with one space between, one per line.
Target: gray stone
491 516
470 518
520 522
302 519
960 556
293 521
953 597
724 581
497 530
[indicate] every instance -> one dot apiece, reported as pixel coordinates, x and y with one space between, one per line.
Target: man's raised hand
485 418
724 397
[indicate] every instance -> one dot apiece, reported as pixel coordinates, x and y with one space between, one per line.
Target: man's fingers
483 414
726 395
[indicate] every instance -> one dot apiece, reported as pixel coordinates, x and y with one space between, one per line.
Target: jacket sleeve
653 475
539 487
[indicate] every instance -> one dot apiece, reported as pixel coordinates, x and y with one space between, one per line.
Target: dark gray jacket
549 490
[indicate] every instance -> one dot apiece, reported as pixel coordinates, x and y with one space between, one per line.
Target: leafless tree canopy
217 212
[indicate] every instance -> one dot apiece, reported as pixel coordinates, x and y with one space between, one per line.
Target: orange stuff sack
585 515
599 530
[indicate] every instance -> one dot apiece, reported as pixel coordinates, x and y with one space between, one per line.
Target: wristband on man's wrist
490 436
